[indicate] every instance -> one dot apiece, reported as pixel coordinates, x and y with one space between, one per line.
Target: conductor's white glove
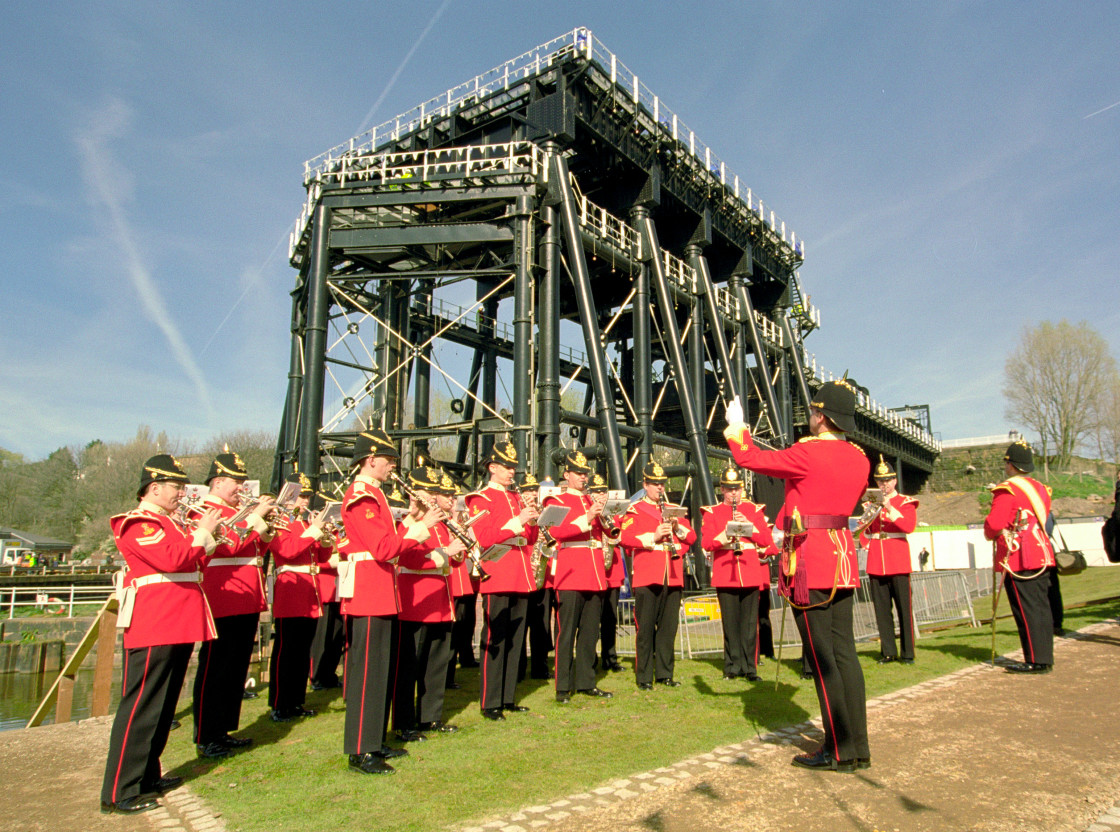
735 412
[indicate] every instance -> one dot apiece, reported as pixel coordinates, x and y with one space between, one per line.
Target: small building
26 549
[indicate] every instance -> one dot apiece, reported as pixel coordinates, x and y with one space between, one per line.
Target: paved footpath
979 749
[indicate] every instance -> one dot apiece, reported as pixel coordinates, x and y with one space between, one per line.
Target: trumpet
461 533
182 517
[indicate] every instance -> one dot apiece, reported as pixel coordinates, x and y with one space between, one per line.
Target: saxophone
538 560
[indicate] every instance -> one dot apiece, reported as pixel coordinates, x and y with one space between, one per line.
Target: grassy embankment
295 776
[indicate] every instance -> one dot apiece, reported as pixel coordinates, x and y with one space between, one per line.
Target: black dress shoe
326 685
387 753
806 674
410 735
823 760
752 677
249 694
236 742
130 805
370 763
453 686
468 663
645 685
1029 667
614 667
905 661
517 709
175 724
886 659
863 762
164 784
602 694
669 683
563 697
439 727
730 676
213 750
277 715
300 711
494 714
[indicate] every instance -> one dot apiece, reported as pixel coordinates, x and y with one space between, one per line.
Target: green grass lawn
298 770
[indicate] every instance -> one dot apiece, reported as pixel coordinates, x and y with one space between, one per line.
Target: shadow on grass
765 706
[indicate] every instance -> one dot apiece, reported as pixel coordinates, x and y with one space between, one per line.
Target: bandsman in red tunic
464 588
888 563
330 630
740 572
299 551
1017 524
580 579
233 579
538 637
825 477
616 576
656 546
508 527
368 587
163 613
427 611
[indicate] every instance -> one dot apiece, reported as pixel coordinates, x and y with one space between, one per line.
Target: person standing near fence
1016 523
740 572
164 612
656 544
825 476
888 565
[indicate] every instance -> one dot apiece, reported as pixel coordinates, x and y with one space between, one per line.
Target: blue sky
954 169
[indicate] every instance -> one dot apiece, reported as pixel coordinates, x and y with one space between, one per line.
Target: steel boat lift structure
561 258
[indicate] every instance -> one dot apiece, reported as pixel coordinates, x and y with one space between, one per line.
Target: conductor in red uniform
163 613
1017 524
233 579
298 551
825 477
368 588
580 579
656 547
740 572
509 531
888 564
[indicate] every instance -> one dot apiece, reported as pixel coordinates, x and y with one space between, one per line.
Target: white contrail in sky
1103 109
388 88
403 64
108 188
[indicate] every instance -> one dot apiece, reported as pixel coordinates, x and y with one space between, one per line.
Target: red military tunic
298 555
375 543
745 570
327 579
233 577
888 552
579 562
1027 501
616 575
825 477
653 564
510 573
424 580
172 609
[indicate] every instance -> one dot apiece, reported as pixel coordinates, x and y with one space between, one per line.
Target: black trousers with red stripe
608 628
150 683
738 610
289 663
327 645
1030 604
371 655
219 681
425 650
657 611
503 640
828 640
578 616
888 590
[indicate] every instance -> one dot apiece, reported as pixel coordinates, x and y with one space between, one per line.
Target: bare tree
1108 421
1054 383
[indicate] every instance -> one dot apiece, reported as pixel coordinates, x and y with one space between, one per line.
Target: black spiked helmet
837 401
575 461
731 477
597 484
503 453
1019 454
227 465
373 442
161 468
884 471
653 472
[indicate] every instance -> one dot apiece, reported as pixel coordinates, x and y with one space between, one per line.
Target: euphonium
469 542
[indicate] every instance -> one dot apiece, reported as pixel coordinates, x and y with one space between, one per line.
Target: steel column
706 288
548 346
522 328
315 344
581 281
643 358
697 436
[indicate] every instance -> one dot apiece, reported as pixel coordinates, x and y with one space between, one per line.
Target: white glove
735 412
